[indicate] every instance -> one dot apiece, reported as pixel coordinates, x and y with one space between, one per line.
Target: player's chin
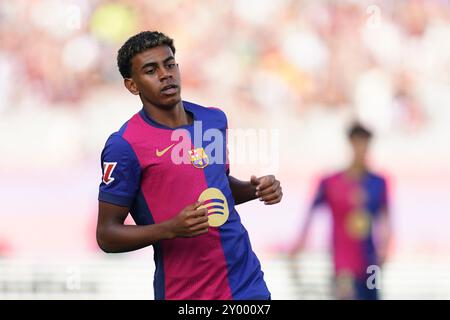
170 100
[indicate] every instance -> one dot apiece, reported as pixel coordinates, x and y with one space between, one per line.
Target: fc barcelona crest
199 158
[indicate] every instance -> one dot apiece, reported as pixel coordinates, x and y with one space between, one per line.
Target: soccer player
358 201
182 201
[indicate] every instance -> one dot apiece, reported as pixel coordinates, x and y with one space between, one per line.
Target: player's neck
357 170
171 117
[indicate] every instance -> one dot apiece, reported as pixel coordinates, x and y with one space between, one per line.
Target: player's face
156 77
360 146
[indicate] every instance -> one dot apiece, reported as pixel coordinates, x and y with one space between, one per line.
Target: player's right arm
300 242
383 227
114 236
119 188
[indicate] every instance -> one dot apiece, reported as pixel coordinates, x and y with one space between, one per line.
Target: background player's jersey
355 204
142 171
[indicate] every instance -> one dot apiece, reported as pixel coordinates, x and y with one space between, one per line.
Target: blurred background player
358 201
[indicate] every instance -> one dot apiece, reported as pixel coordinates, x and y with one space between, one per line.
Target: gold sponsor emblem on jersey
216 203
358 224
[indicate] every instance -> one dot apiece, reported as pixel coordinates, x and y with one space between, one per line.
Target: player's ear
131 86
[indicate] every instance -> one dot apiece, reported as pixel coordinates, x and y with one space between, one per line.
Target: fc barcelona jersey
157 171
355 204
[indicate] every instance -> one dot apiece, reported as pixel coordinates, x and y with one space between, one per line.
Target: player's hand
268 189
190 222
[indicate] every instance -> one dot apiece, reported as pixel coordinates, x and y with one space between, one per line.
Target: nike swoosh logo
161 153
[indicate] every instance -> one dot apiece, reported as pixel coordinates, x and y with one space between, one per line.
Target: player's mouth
169 89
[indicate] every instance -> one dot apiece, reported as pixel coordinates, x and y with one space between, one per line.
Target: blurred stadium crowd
329 53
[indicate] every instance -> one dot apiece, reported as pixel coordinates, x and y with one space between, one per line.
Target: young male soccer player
358 201
182 202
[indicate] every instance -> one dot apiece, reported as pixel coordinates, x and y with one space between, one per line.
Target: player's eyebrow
152 63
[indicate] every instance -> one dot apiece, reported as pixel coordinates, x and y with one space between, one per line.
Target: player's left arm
266 188
384 229
384 235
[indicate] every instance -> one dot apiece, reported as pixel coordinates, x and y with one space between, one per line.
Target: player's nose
164 74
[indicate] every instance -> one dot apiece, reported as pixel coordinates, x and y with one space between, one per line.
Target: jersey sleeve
320 196
121 172
227 158
384 195
224 126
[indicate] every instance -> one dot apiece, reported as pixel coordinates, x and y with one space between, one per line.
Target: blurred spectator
312 52
358 201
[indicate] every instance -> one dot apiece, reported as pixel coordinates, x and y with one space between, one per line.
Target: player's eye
170 65
150 71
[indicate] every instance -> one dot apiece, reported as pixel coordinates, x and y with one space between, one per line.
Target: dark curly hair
358 130
137 44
